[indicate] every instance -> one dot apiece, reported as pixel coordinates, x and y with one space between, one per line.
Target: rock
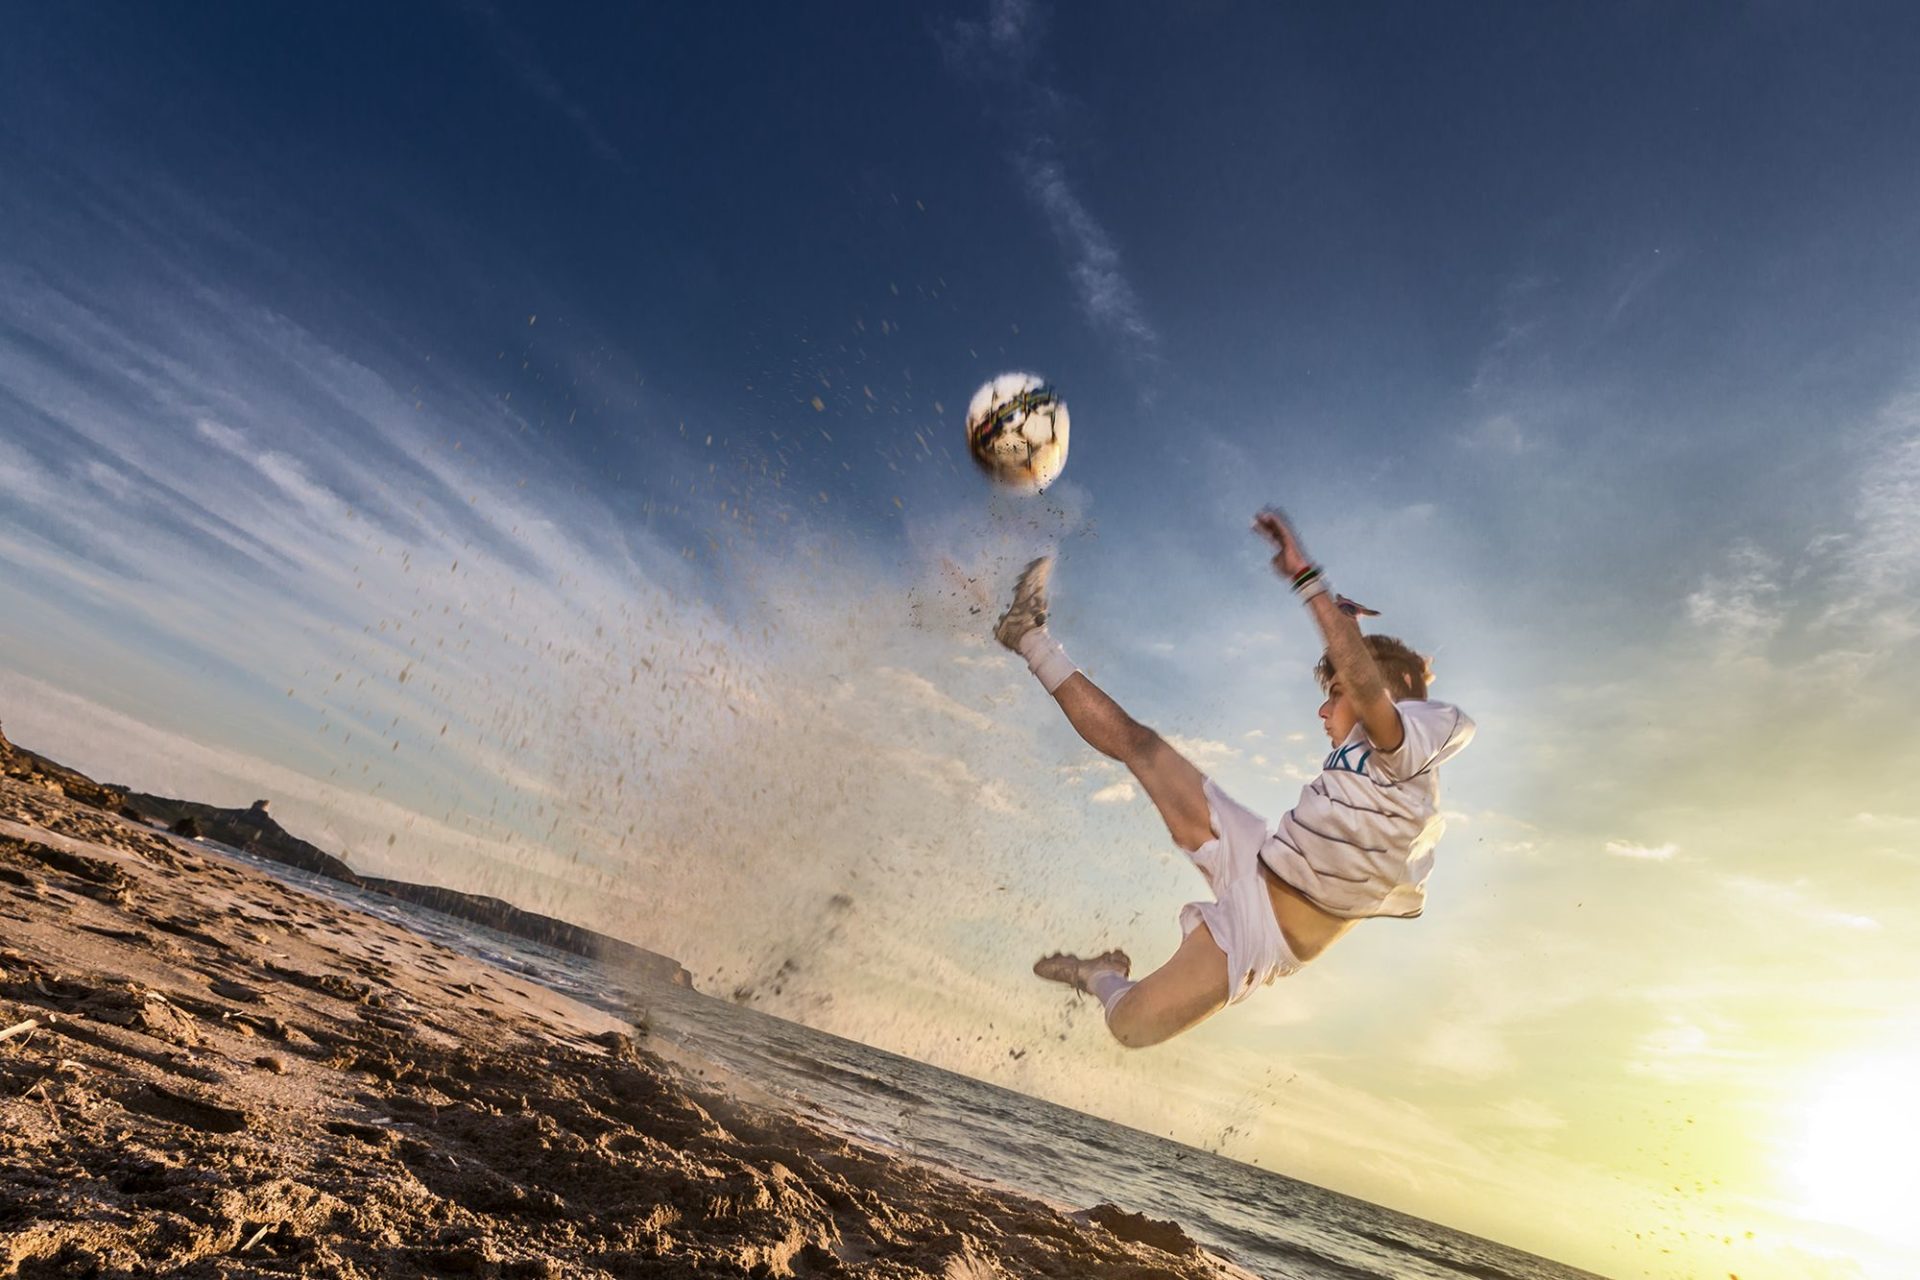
1139 1228
37 770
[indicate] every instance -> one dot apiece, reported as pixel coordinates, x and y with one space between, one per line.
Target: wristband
1310 582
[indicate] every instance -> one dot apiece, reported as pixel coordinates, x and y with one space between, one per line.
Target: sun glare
1859 1162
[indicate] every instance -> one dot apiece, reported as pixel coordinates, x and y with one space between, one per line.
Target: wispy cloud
1636 278
1511 410
916 689
1529 1115
1001 44
519 56
1886 821
1093 261
1681 1050
1642 852
1474 1051
1739 607
1796 901
1005 48
1207 754
1881 568
1500 432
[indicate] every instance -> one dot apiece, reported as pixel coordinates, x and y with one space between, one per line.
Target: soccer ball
1017 431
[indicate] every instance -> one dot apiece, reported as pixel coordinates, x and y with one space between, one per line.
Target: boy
1358 844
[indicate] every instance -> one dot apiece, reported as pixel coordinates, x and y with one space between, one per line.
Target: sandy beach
206 1072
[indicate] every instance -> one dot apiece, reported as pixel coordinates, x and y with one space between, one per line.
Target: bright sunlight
1859 1162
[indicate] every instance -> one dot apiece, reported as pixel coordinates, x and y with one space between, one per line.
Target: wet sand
206 1072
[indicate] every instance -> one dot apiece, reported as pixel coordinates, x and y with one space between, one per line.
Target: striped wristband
1310 582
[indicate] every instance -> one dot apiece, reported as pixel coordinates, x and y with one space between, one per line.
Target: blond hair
1406 672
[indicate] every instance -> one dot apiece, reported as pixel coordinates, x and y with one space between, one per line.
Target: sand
206 1072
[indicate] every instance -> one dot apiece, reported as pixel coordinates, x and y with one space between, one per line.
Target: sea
1269 1224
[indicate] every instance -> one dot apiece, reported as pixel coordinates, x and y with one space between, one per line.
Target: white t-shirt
1360 842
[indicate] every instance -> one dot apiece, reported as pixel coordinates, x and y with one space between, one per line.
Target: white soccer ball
1017 431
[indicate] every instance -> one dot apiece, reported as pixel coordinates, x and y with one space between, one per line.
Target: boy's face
1337 714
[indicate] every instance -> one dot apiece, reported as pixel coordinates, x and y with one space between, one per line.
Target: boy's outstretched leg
1182 993
1169 778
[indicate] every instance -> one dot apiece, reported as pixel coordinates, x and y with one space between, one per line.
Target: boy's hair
1407 673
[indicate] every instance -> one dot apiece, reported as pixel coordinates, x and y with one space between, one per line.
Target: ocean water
1270 1224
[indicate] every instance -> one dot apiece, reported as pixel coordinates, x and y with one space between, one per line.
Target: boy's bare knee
1132 1032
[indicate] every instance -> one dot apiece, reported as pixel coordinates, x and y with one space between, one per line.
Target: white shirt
1360 842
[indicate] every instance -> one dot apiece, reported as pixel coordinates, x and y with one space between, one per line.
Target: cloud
1000 45
1680 1050
23 478
1741 607
234 442
922 692
1794 901
115 483
1471 1051
1512 399
1004 49
1636 278
1528 1115
519 56
1880 570
1117 793
1489 991
1642 852
1093 261
1499 433
1885 821
1206 754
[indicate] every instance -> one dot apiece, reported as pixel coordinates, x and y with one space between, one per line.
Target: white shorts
1240 917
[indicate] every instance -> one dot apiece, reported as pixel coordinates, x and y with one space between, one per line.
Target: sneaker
1074 972
1029 607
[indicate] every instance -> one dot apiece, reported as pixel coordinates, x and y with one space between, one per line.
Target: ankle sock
1046 659
1107 986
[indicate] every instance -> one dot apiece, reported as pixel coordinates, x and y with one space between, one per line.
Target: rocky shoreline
255 830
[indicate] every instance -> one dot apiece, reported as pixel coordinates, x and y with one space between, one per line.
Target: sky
526 447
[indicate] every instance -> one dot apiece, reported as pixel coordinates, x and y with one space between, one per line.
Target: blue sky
527 449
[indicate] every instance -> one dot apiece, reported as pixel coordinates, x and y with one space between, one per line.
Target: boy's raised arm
1353 663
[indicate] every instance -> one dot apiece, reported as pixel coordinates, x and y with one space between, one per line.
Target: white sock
1107 986
1046 659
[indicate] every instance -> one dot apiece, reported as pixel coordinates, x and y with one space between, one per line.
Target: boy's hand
1289 556
1354 609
